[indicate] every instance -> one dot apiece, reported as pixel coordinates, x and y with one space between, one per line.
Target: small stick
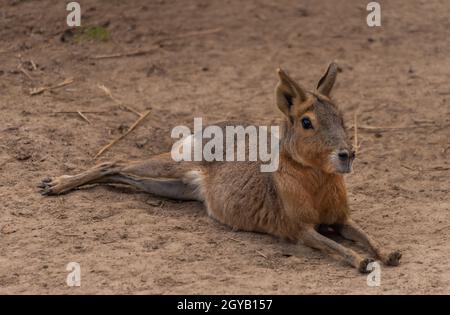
384 129
156 45
191 34
440 168
136 123
128 54
84 117
67 234
419 124
423 121
76 112
233 239
407 167
130 109
262 254
39 90
109 94
33 65
25 72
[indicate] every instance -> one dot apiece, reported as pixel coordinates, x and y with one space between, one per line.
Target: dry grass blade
408 167
109 94
261 254
440 168
386 128
235 240
130 109
156 45
76 112
136 123
84 117
126 54
39 90
33 64
191 34
25 72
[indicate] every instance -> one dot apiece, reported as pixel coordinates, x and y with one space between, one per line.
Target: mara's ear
288 92
326 82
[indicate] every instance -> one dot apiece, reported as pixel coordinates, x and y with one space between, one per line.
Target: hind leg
160 166
64 183
168 188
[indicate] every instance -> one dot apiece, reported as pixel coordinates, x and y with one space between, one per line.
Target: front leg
310 237
350 230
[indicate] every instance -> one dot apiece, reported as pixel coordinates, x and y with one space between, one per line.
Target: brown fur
306 191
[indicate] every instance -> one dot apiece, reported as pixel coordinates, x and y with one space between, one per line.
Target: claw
45 186
41 185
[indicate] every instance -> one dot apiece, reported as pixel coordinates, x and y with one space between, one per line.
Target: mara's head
314 133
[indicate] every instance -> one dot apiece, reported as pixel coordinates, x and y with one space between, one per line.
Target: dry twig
233 239
25 72
121 104
136 123
76 112
39 90
440 168
84 117
407 167
33 64
127 54
261 254
156 45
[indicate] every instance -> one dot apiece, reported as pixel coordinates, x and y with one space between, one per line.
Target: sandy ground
396 76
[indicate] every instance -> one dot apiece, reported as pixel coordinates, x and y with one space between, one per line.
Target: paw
364 264
52 186
393 259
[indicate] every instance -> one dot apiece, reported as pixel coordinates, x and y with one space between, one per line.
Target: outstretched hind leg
64 183
168 188
132 173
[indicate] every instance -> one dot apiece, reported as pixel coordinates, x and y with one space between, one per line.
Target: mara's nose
345 155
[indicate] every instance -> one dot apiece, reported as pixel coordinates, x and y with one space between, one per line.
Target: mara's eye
306 123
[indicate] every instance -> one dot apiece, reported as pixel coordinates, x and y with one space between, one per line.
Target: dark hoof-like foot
45 187
364 264
393 259
53 186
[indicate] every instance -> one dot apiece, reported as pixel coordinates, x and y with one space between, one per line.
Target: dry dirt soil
216 60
